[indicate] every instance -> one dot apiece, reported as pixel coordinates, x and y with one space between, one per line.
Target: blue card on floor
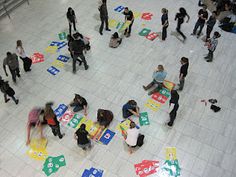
63 58
107 136
119 9
52 70
96 172
60 110
86 173
58 44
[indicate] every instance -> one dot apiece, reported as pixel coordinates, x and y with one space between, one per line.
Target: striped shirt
213 43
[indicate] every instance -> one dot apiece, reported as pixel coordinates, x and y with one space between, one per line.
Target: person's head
183 60
160 68
48 107
104 1
214 13
132 125
70 10
115 35
164 11
182 10
132 103
82 127
77 97
9 54
204 7
217 34
19 43
126 10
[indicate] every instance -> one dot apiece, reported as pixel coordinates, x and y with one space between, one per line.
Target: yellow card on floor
171 153
137 14
38 143
37 154
58 63
169 85
123 126
51 49
82 121
112 23
124 26
152 105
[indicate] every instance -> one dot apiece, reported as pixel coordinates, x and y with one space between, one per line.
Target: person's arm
85 110
133 112
175 17
181 76
4 67
171 107
40 130
188 18
28 134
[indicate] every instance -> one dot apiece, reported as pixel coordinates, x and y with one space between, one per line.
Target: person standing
103 16
210 24
202 17
71 18
212 44
52 121
173 107
81 135
12 61
77 48
183 72
27 62
7 91
164 22
158 76
129 16
180 20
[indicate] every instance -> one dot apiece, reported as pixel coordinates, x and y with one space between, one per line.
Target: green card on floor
143 119
62 36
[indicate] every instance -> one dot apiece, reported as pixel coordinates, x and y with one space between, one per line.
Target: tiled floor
205 141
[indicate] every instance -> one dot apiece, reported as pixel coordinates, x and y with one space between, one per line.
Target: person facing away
132 135
173 107
104 117
12 61
115 40
212 44
71 18
81 135
103 16
129 16
210 25
202 17
79 103
180 20
164 23
27 62
130 108
183 72
7 91
158 77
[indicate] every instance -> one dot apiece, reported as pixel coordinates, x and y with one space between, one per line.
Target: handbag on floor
140 140
215 108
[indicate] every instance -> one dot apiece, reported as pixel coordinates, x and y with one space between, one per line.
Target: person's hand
86 114
28 142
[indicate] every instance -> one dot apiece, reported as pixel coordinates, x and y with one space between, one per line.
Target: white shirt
20 51
132 136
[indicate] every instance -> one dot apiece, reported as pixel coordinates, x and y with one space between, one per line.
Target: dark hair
217 34
214 12
8 53
126 8
69 9
82 127
182 10
132 102
184 59
132 125
115 35
77 35
204 6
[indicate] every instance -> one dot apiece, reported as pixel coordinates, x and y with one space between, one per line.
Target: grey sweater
11 61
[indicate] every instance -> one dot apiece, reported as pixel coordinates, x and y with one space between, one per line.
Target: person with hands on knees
158 76
81 135
35 119
130 108
79 103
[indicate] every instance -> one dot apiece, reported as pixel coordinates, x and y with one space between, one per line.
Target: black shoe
74 71
192 34
17 101
209 60
206 57
101 33
7 100
86 67
108 29
18 75
145 88
80 63
62 135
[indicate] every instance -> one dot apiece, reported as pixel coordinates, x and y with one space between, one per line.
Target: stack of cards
52 164
92 172
146 167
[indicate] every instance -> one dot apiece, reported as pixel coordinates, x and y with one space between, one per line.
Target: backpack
4 87
140 140
215 108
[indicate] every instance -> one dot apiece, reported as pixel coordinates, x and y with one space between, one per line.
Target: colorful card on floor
62 36
165 92
59 45
169 85
146 168
119 9
52 164
159 97
63 58
152 105
123 126
67 116
136 14
143 119
86 173
171 153
38 143
37 58
170 168
124 26
75 121
37 154
95 172
119 25
151 36
60 110
107 136
51 49
112 23
58 64
147 16
144 32
52 70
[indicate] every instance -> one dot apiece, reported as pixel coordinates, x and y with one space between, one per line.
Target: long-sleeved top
103 11
71 16
11 61
159 76
78 46
213 44
211 22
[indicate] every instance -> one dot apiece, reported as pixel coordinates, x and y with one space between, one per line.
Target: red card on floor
159 97
37 58
146 168
67 116
152 36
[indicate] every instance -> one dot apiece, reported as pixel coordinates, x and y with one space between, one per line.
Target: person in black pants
27 62
77 48
103 17
164 22
180 20
129 16
7 91
71 18
203 16
183 72
174 106
210 24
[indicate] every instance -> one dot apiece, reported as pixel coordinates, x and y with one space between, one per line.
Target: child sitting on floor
115 40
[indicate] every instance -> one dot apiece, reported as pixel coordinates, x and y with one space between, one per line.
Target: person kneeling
79 103
104 117
115 40
130 108
81 135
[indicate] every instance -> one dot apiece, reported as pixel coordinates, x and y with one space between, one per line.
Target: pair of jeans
103 20
56 131
197 25
73 26
14 73
27 62
164 32
178 30
181 83
128 30
75 58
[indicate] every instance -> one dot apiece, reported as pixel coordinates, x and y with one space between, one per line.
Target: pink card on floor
67 116
37 58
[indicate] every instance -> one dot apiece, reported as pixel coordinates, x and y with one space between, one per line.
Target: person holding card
129 16
27 62
130 108
81 135
132 137
104 117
